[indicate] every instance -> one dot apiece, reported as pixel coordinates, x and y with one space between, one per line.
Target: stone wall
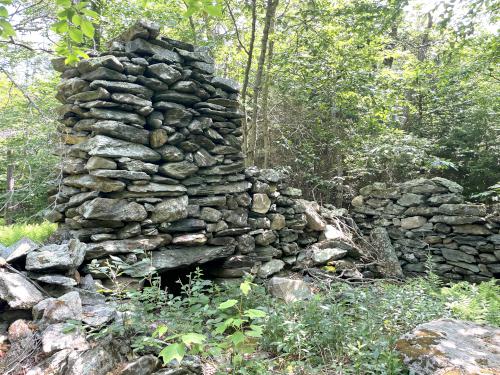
430 218
152 161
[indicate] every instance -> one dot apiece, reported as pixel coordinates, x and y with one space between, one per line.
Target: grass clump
10 234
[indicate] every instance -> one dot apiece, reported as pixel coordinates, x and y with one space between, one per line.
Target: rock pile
153 162
429 218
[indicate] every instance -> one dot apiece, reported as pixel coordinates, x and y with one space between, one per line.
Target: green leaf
90 13
237 338
160 331
193 338
246 287
229 303
173 352
6 29
75 34
3 12
64 3
60 27
76 19
213 10
221 328
254 313
87 28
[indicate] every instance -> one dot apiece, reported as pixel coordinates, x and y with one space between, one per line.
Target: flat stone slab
448 346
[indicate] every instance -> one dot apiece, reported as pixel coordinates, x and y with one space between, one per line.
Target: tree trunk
252 129
10 188
265 104
247 75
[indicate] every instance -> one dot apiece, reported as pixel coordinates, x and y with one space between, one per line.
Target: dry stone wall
153 161
429 220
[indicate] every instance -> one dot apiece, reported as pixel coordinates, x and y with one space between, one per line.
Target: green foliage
479 303
237 326
6 29
75 25
10 234
27 143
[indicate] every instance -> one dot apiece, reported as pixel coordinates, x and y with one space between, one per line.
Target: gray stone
126 87
96 361
270 268
260 203
456 220
121 131
385 254
190 239
98 315
17 291
107 61
157 188
437 200
137 165
265 238
55 337
143 366
314 220
59 310
131 100
104 146
57 280
178 170
97 162
170 210
463 209
229 188
105 74
452 186
210 214
449 346
289 290
323 256
18 250
116 115
473 229
120 174
226 84
457 256
413 222
112 209
100 249
164 72
173 258
104 185
410 199
67 256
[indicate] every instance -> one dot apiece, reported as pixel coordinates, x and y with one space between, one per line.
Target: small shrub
39 233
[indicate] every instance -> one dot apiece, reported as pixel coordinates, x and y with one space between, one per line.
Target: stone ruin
153 161
430 224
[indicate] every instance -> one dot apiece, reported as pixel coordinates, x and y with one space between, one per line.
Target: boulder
173 258
17 291
385 254
105 185
57 337
18 250
289 290
68 256
449 346
179 170
66 307
313 218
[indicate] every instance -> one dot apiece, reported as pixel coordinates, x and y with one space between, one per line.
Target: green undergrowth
239 329
39 233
